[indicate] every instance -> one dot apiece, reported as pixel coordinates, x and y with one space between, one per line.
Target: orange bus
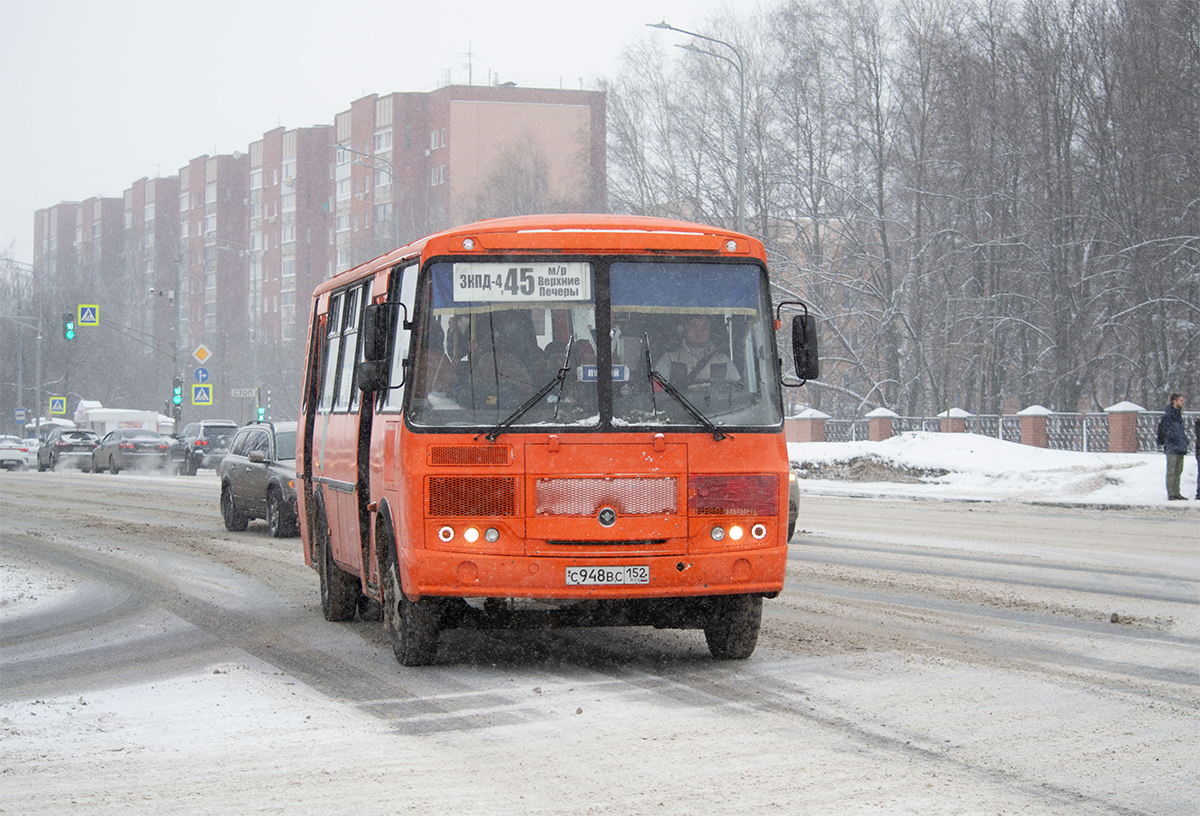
550 420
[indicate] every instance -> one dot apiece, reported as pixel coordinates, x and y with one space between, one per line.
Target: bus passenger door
380 469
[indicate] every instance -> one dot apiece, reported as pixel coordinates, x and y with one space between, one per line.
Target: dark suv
67 445
258 478
202 444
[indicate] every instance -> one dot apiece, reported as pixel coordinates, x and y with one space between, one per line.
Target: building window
433 140
288 202
148 239
442 138
343 188
149 212
433 176
210 194
341 223
256 179
383 139
210 223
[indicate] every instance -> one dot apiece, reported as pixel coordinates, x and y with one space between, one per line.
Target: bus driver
697 360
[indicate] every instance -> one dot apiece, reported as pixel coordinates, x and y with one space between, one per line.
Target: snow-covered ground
245 715
980 468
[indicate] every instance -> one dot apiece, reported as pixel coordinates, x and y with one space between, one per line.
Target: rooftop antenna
470 64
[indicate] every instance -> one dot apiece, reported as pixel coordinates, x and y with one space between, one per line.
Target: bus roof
571 233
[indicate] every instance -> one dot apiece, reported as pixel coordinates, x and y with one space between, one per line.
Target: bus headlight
471 534
736 532
718 533
446 535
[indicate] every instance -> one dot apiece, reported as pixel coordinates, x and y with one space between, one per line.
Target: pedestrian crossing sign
201 394
58 405
89 314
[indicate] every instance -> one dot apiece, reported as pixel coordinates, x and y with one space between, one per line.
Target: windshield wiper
560 380
696 413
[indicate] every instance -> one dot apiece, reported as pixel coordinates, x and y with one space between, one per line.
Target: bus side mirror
372 375
804 347
375 331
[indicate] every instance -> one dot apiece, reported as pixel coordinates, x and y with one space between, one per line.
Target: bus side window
352 342
402 288
330 364
345 387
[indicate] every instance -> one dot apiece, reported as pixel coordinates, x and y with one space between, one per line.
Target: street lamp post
741 140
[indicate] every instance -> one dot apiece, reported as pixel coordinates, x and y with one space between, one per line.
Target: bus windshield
690 344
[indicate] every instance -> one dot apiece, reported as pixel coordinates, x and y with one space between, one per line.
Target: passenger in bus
498 370
698 360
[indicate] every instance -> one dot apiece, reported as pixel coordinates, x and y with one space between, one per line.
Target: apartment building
408 164
290 246
151 251
214 253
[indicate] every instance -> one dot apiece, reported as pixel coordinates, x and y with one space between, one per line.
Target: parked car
202 444
258 478
15 453
67 446
131 448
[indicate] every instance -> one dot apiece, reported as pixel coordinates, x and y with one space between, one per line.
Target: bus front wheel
412 627
732 631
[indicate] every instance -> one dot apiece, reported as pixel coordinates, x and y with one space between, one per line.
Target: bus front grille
628 495
457 496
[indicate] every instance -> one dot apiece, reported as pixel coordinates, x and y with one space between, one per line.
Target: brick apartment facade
290 250
412 164
213 277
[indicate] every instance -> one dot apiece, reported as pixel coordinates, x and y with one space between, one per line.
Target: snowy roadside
969 467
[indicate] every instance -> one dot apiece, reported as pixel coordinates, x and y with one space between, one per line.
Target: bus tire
339 589
412 627
732 631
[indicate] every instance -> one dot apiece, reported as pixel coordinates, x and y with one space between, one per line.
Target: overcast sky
97 94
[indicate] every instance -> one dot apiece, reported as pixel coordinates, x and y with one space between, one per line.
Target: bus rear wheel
732 631
339 589
412 627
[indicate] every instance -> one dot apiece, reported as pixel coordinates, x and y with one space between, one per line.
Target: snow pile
973 467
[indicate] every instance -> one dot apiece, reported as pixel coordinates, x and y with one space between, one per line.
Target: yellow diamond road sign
201 353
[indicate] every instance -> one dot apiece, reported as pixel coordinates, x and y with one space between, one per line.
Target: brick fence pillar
954 420
808 426
1122 427
881 424
1033 426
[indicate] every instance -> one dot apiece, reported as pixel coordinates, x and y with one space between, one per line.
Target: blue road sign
201 375
202 395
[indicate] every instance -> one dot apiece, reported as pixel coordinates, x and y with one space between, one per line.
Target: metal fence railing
1086 432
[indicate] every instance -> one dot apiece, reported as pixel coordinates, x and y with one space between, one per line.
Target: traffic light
262 413
69 326
177 394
